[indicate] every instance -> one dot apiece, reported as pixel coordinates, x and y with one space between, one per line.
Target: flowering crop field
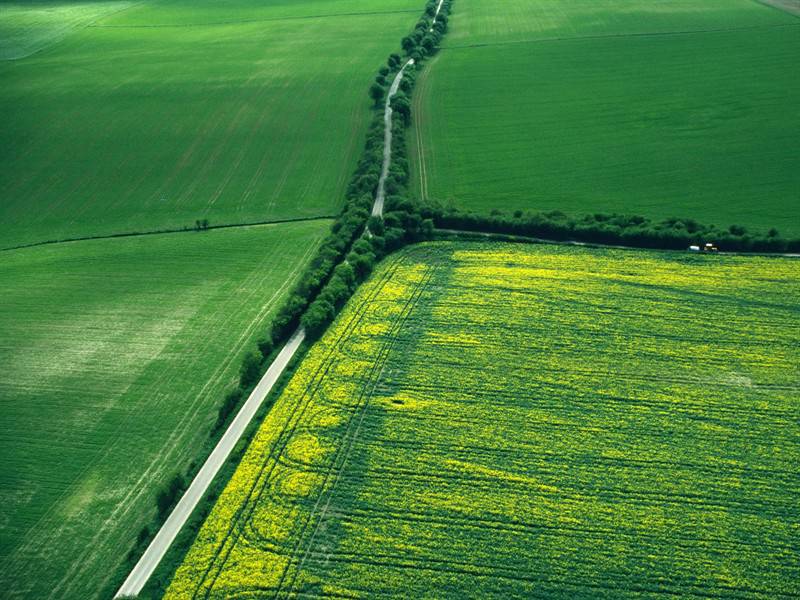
529 421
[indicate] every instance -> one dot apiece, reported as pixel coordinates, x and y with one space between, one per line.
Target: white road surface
180 514
436 16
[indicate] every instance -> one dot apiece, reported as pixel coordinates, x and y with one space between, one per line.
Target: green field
672 108
115 355
28 27
171 111
519 421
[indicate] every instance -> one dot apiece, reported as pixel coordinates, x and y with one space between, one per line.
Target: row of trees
402 222
427 34
613 229
421 43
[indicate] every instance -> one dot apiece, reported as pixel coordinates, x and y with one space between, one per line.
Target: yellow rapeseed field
522 421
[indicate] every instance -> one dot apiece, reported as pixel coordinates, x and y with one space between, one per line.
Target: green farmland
183 182
489 420
27 27
115 355
171 111
674 108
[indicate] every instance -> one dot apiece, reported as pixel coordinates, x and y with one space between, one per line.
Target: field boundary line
611 36
527 239
246 21
167 231
189 500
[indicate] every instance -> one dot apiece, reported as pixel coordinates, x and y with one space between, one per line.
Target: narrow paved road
436 16
380 195
176 520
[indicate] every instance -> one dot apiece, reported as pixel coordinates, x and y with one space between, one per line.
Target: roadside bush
362 246
250 371
402 106
378 246
375 225
376 92
169 495
346 273
318 316
362 264
265 346
229 405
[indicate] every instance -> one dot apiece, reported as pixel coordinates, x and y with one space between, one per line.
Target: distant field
29 26
673 108
528 421
115 355
173 111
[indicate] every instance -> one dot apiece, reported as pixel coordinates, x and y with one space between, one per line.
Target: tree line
612 229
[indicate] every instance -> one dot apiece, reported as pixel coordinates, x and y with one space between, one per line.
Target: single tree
251 370
376 92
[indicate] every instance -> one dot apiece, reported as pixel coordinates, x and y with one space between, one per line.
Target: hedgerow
614 229
403 221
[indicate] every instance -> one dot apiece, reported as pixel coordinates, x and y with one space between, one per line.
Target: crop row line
348 441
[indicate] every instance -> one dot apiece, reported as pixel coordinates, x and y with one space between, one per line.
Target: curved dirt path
180 514
380 195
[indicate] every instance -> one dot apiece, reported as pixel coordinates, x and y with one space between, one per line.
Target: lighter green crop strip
116 352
